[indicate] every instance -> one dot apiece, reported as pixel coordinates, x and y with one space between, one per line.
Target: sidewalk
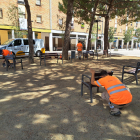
124 52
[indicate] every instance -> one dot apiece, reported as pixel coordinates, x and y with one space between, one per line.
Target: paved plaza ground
44 103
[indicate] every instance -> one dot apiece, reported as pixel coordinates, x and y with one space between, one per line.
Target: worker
117 95
79 49
5 53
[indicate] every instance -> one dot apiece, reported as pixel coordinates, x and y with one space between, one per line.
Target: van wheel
38 53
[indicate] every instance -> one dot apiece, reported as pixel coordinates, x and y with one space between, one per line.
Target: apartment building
47 20
40 20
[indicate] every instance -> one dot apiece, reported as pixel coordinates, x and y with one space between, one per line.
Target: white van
20 45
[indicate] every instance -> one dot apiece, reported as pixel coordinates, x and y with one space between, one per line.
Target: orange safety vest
6 52
116 90
79 47
60 56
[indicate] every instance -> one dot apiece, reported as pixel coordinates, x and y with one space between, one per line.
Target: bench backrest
11 57
98 75
49 55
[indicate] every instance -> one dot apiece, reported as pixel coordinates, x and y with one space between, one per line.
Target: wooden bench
59 48
47 56
106 52
15 60
89 85
134 71
91 53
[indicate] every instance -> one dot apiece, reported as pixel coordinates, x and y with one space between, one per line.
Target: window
60 22
17 42
33 42
25 42
72 23
20 1
120 30
1 15
38 19
38 2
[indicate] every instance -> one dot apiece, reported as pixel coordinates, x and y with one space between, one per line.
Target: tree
67 29
111 35
30 35
13 17
128 35
83 10
137 34
111 8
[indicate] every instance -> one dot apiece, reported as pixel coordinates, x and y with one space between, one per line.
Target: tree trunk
91 25
30 35
67 29
106 42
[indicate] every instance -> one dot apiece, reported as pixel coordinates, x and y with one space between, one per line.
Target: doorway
46 43
120 44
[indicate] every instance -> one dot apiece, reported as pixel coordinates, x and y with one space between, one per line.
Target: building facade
48 24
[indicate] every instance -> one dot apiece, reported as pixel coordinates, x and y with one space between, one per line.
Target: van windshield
7 42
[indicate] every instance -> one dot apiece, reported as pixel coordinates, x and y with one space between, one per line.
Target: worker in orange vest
5 53
117 94
79 49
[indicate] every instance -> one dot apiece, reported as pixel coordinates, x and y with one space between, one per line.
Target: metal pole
97 37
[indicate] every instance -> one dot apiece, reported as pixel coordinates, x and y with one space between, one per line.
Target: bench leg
97 89
14 65
81 89
91 95
21 64
6 64
122 76
136 79
44 61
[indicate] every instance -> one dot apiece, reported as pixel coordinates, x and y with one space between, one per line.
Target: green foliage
111 32
128 34
13 17
81 9
63 7
137 34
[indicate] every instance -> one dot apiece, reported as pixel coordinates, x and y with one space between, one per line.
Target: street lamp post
97 33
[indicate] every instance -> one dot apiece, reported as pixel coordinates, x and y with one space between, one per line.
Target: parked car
20 45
